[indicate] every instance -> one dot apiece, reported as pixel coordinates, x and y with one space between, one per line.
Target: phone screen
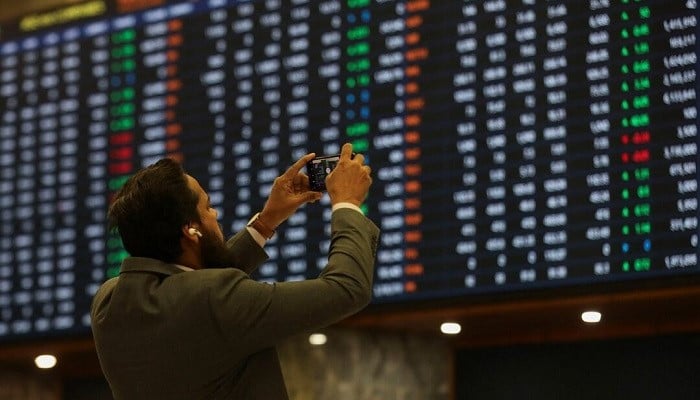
317 170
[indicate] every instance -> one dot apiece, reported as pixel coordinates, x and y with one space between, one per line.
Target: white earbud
194 232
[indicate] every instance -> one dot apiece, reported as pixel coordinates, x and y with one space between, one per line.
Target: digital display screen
514 144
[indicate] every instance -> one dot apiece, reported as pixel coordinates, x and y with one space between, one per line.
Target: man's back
173 348
165 333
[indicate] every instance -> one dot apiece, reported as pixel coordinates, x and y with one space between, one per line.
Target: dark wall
648 368
352 365
86 389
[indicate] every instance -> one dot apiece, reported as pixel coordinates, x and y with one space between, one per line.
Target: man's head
155 211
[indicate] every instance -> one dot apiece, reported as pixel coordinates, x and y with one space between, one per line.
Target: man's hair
150 210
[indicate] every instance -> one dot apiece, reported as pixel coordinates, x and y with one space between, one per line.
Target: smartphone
319 168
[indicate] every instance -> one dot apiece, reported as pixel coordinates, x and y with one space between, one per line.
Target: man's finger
297 166
346 151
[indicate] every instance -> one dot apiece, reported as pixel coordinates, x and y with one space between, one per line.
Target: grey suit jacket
162 333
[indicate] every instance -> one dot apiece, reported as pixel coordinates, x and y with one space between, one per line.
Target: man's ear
191 232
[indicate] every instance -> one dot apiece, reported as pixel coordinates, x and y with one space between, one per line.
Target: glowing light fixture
318 339
450 328
591 317
45 361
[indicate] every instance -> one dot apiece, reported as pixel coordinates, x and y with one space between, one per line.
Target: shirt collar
145 264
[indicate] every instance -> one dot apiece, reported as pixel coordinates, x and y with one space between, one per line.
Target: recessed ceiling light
591 317
45 361
450 328
317 339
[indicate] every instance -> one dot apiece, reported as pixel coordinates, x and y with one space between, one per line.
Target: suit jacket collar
144 264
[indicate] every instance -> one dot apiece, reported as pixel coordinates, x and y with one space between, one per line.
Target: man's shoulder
142 287
102 297
107 286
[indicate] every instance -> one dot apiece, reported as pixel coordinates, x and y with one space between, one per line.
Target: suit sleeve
248 253
257 315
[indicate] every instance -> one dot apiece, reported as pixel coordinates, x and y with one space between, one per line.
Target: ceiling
553 316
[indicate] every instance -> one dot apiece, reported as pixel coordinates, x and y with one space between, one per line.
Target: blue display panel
514 145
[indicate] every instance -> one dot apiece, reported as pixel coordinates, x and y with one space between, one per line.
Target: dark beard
215 253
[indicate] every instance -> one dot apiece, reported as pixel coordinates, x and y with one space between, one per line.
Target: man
173 327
